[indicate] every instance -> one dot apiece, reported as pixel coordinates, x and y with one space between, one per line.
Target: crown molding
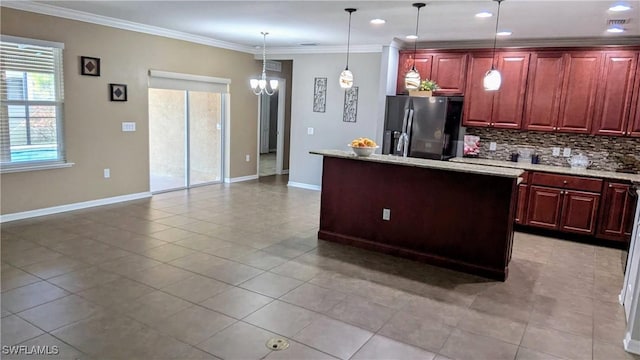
525 43
353 49
122 24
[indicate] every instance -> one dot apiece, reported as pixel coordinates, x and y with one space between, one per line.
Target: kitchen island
453 215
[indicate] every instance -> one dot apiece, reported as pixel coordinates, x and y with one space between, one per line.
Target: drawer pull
564 182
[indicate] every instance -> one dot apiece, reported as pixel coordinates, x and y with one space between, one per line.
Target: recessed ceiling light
411 37
620 7
615 29
484 14
504 33
378 21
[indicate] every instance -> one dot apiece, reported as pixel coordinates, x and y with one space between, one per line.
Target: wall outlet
247 158
107 173
386 214
566 152
556 151
310 131
128 126
493 146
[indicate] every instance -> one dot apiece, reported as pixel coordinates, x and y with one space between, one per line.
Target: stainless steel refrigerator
424 127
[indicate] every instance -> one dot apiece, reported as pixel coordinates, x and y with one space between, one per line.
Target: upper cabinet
543 91
502 108
423 63
449 71
615 93
577 101
634 115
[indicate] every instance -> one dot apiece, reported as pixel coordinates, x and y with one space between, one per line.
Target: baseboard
285 172
70 207
631 345
304 186
240 179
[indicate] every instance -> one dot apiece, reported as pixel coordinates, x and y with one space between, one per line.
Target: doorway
185 138
271 131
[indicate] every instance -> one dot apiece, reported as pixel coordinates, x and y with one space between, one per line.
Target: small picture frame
118 92
89 66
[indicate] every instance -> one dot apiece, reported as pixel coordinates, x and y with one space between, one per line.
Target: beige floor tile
334 337
168 252
56 267
463 345
31 295
270 284
116 293
493 326
154 307
84 279
172 234
361 312
282 318
297 270
13 278
261 260
195 324
607 351
160 276
528 354
405 327
557 343
30 256
382 348
233 273
238 341
196 288
237 302
15 330
567 321
314 298
233 251
60 312
202 242
297 351
608 329
129 264
64 351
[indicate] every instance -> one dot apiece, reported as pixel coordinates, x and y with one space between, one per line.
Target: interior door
265 111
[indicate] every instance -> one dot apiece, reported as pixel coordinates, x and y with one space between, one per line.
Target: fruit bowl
363 150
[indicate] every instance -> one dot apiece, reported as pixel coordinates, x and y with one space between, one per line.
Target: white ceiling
292 23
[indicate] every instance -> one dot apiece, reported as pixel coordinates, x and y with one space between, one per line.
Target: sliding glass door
185 138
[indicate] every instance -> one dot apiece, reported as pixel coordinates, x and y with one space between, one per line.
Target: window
31 97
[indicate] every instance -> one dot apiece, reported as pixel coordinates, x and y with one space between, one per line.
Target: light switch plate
493 146
247 158
556 151
310 131
386 214
107 173
566 152
128 126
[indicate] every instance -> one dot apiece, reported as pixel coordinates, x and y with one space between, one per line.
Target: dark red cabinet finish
423 64
577 103
543 91
545 206
449 71
521 210
579 210
615 92
478 103
634 116
617 211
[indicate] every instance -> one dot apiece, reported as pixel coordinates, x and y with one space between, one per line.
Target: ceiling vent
618 21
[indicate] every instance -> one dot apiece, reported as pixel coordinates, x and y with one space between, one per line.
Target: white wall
330 132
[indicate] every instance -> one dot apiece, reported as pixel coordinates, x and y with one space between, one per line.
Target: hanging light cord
415 42
495 37
349 36
264 54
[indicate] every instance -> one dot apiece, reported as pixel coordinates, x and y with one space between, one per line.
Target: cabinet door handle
564 182
562 192
610 185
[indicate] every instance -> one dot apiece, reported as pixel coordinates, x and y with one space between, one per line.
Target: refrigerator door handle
404 120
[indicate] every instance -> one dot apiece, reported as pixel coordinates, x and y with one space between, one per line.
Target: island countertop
635 178
425 163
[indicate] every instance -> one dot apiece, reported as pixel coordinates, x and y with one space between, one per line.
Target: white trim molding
240 179
71 207
304 186
631 345
339 49
23 168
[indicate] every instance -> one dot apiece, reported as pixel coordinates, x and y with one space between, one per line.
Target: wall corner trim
631 345
70 207
304 186
240 179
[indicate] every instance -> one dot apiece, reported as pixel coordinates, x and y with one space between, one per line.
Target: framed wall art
89 66
320 94
350 105
118 92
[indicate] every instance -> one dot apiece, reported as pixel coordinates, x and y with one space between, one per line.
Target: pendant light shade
492 79
412 78
346 76
259 86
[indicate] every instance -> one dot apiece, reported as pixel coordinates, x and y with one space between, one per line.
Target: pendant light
346 77
259 86
412 78
492 79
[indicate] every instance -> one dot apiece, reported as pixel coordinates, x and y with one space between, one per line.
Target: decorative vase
421 93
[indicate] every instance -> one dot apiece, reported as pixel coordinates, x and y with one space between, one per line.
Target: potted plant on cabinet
426 89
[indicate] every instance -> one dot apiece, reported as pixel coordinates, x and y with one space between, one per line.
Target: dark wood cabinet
543 91
577 102
449 71
634 116
545 205
502 108
423 64
617 211
579 210
615 93
521 210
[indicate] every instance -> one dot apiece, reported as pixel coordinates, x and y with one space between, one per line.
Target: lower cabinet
616 212
545 206
579 212
521 210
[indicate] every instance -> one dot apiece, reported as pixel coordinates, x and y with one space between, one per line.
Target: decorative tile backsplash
608 153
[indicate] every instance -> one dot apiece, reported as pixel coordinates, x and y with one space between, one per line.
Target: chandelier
259 86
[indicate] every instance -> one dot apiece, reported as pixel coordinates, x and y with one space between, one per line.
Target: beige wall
93 135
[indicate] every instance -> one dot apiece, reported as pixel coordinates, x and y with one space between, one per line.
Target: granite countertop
425 163
635 178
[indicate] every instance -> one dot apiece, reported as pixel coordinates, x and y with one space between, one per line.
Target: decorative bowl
363 150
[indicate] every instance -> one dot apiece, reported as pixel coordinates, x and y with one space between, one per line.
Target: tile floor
268 164
216 271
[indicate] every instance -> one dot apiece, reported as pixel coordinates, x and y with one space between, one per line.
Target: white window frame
60 162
